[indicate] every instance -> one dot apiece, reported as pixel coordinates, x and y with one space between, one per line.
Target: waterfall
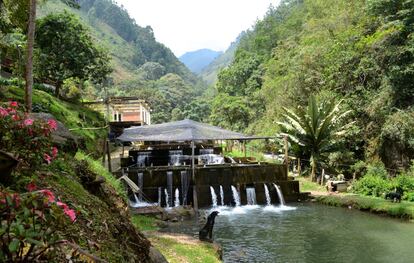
159 196
184 186
268 199
221 195
143 159
251 195
140 185
236 196
175 157
170 186
167 199
136 199
213 197
280 195
177 198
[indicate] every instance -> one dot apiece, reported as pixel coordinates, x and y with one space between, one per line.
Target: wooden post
195 200
244 149
108 152
299 167
103 152
286 155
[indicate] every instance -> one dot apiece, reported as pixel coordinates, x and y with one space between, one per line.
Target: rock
61 136
155 256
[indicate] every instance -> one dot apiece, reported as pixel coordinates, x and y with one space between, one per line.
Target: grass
96 167
236 153
306 185
144 223
176 251
404 210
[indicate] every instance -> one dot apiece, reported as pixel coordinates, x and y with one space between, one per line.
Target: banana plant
315 128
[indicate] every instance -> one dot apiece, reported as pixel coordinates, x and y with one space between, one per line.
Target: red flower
47 158
14 104
71 214
52 124
54 152
16 117
31 187
62 205
47 193
28 122
3 112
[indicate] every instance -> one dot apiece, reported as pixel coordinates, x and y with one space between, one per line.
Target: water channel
307 233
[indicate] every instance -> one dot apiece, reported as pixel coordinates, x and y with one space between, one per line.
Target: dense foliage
360 51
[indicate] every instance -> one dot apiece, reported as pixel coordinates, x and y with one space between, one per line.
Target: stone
156 256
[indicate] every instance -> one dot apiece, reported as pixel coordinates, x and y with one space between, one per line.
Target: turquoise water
308 233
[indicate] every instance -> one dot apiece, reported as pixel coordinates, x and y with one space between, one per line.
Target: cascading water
184 186
167 199
236 196
251 195
177 198
170 186
143 159
280 195
268 199
175 157
159 196
140 185
213 197
221 195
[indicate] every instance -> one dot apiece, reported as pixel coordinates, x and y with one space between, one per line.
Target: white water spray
268 199
167 199
280 195
177 197
221 195
213 197
236 196
251 195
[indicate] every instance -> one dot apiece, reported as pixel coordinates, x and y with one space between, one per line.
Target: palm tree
315 128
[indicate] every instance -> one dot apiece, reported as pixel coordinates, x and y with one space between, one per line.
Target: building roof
185 130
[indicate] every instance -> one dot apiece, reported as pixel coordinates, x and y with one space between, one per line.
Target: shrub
29 223
372 185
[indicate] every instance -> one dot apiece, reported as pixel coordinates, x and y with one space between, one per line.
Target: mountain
142 66
209 73
199 59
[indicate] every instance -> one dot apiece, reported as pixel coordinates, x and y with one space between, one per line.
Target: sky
188 25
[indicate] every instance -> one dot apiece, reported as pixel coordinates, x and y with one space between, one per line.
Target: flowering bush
28 224
28 139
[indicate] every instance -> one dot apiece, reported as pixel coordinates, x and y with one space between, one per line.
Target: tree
66 50
315 128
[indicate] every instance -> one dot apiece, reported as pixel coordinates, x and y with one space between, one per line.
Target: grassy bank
176 247
404 210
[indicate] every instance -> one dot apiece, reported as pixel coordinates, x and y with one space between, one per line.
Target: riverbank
176 247
376 205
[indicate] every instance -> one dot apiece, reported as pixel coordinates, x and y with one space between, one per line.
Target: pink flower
54 152
3 112
14 104
47 158
70 213
62 205
31 187
47 193
16 117
52 124
28 122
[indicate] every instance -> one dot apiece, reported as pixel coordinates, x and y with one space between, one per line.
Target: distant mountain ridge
197 60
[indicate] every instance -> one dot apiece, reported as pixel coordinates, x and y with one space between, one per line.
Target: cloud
187 25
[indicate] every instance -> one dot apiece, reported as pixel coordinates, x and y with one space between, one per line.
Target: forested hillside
142 66
360 51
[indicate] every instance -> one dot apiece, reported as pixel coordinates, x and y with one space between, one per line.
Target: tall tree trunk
313 164
29 64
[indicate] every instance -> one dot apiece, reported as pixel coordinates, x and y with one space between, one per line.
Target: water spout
268 199
236 196
184 186
170 187
167 199
177 198
221 195
280 195
136 199
159 196
213 197
251 195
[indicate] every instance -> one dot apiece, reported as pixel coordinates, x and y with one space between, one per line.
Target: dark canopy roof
185 130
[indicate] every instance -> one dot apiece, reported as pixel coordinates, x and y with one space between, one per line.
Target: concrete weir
241 176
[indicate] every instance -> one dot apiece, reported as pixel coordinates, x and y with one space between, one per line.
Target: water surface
308 233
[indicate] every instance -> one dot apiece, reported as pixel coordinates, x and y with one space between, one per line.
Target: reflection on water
308 233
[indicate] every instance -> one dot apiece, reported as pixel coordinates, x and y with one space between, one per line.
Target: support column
195 200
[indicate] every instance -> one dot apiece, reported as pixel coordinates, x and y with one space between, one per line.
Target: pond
307 232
